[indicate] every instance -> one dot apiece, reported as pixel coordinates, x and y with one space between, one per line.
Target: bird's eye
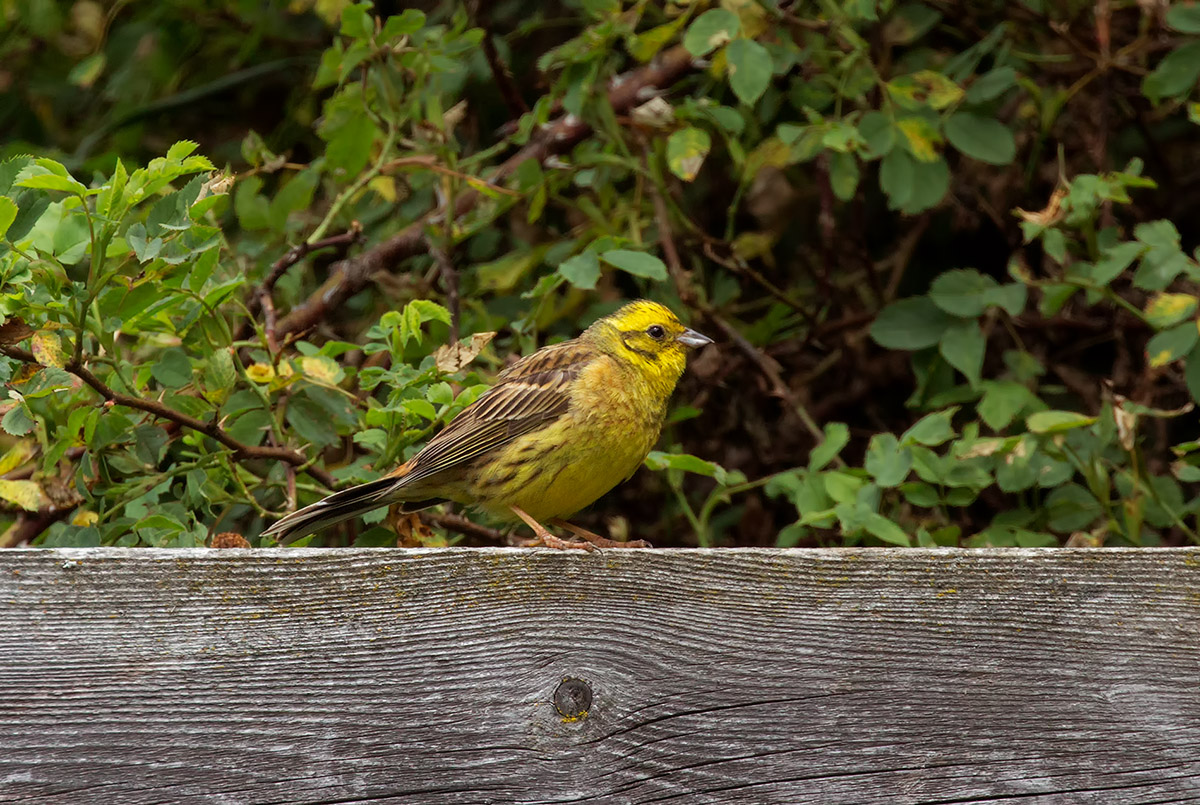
656 332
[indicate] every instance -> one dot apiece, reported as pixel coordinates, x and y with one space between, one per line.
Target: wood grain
739 676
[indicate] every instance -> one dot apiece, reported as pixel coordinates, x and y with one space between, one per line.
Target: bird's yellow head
650 337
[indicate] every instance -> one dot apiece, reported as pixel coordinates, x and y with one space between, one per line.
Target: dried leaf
229 539
452 357
14 331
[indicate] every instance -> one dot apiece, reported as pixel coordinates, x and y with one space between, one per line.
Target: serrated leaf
931 429
887 461
173 369
8 214
47 348
582 270
963 345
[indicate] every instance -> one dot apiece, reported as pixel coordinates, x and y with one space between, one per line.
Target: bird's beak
691 338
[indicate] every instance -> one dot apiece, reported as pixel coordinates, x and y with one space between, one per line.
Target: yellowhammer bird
559 429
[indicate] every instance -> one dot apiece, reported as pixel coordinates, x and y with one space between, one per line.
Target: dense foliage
249 252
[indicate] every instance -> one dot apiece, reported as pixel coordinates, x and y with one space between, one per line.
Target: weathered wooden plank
750 676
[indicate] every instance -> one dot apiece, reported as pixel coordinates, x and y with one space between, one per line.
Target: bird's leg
596 539
545 538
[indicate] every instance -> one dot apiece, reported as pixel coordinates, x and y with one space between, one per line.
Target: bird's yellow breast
601 440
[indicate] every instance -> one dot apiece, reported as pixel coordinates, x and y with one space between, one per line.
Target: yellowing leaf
83 517
1166 309
321 368
260 372
47 349
924 88
750 13
17 455
686 150
921 138
384 187
26 494
452 357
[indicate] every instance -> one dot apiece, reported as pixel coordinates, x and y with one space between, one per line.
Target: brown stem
503 78
211 429
461 525
29 524
348 277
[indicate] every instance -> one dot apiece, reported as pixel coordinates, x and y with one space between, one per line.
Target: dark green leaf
173 368
963 345
982 138
637 263
837 436
911 324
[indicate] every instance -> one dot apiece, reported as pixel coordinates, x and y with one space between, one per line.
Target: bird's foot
596 539
544 539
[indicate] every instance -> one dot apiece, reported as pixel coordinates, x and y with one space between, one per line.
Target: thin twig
503 78
461 525
211 429
350 276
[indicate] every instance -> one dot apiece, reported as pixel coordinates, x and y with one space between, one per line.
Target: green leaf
884 529
963 345
311 422
173 368
963 292
17 421
1048 422
843 175
296 195
416 313
639 264
1114 260
582 270
931 182
924 88
910 324
711 30
1071 508
52 181
1191 374
1172 344
837 436
686 150
1002 401
408 21
749 69
1176 74
887 461
896 173
931 429
658 460
877 132
8 214
982 138
991 85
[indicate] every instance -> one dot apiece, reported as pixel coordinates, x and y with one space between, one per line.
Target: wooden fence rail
533 676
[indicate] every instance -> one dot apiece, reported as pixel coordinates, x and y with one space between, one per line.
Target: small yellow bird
559 429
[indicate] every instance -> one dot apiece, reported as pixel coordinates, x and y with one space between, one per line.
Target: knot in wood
572 698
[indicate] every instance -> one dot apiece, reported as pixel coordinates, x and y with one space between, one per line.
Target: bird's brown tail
353 502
